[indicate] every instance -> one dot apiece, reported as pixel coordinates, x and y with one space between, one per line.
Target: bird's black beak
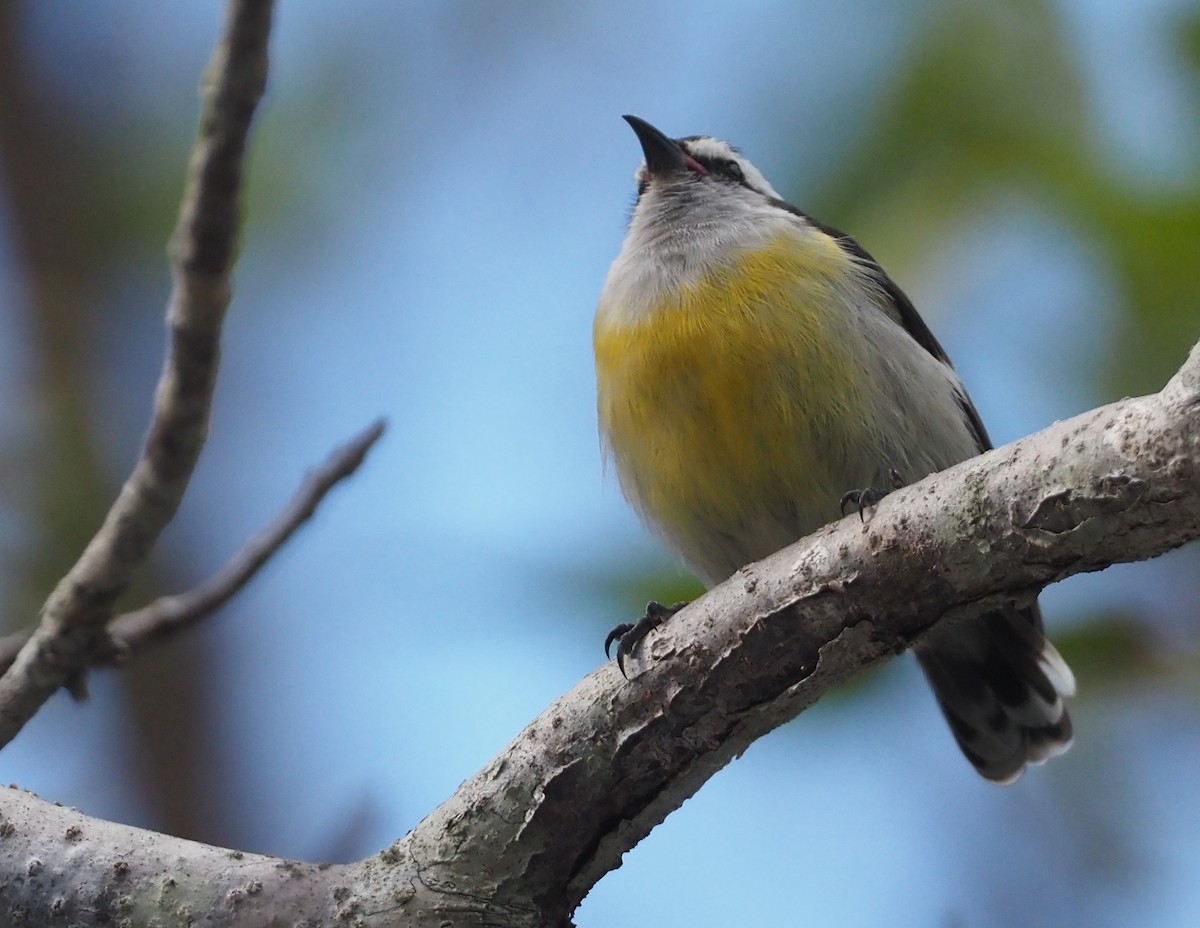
663 154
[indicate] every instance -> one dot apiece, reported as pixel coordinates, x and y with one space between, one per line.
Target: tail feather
1001 686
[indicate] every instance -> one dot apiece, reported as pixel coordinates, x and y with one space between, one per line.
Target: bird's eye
733 171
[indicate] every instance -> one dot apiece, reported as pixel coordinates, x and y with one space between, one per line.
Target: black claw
868 497
615 635
861 500
630 636
622 650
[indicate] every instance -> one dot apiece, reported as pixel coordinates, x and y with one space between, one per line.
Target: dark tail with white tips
1001 686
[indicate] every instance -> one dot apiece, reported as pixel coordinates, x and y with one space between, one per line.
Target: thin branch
135 631
73 620
166 616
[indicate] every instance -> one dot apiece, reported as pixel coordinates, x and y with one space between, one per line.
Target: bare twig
73 619
170 614
133 632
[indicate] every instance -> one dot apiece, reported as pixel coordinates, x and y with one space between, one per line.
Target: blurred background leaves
435 193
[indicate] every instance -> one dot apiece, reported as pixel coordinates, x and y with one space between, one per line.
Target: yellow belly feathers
735 398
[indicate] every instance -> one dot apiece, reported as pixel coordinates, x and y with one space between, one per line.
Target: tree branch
606 763
73 620
135 631
170 614
523 841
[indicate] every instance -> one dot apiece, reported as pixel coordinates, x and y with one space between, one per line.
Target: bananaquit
753 365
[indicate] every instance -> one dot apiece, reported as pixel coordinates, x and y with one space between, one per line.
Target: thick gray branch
601 767
523 840
73 620
62 868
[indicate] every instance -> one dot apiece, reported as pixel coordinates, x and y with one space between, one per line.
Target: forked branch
73 620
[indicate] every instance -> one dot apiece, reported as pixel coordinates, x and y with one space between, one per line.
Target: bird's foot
861 500
629 635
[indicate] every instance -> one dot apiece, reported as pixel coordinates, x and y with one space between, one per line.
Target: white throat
682 231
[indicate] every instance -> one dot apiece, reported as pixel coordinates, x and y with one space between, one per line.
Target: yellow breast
736 398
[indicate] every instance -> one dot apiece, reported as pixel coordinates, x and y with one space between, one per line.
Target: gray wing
908 318
999 683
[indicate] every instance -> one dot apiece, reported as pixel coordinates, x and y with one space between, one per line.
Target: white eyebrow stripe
719 150
707 147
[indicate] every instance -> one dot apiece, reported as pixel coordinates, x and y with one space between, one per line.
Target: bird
756 372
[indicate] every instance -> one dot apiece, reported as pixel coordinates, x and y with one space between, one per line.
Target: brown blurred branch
133 632
73 620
